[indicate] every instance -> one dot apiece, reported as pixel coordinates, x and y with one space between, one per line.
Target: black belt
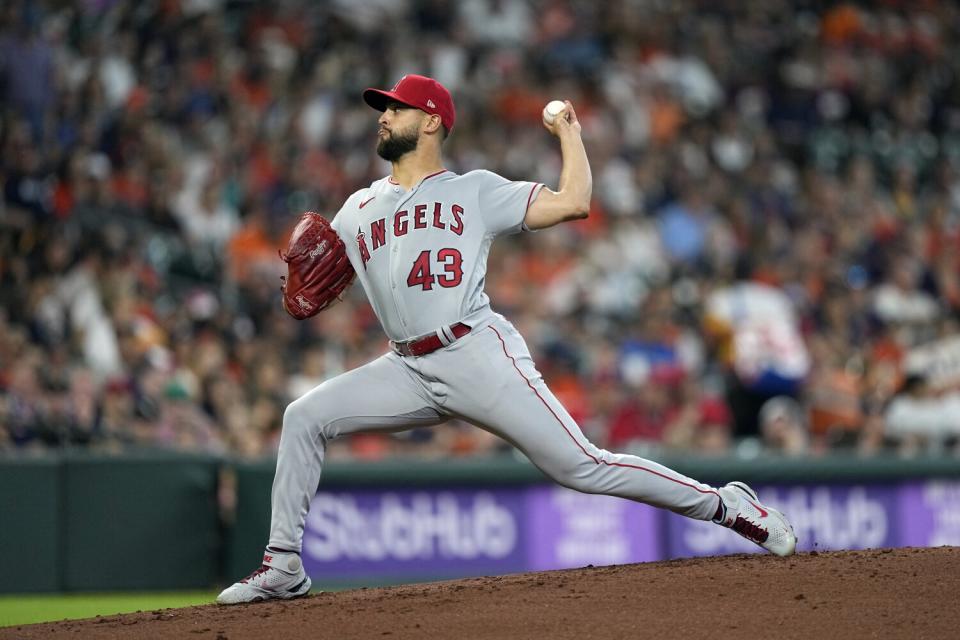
429 344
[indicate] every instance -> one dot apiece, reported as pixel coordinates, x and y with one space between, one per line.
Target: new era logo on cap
421 92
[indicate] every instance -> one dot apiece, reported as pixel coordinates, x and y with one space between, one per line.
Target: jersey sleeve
339 217
337 221
504 203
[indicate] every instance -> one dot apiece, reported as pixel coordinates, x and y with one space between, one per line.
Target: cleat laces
755 532
263 568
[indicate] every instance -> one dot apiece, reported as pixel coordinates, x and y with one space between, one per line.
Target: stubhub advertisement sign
462 532
824 518
930 514
444 533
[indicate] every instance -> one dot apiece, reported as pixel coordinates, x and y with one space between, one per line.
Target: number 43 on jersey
449 268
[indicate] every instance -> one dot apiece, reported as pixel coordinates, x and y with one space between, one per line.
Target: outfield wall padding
81 522
31 524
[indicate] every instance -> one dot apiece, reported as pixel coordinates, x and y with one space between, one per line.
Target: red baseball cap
421 92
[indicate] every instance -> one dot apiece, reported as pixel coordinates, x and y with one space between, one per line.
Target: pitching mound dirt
889 593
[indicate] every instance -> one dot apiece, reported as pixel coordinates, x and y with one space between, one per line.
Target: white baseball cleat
755 521
280 577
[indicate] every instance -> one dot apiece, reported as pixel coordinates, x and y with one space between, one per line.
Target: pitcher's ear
434 124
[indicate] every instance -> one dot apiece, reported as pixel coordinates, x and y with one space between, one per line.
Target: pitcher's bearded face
393 145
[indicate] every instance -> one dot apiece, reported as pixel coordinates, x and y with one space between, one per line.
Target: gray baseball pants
487 378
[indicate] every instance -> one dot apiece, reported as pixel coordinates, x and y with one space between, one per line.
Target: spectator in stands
27 66
117 416
899 299
921 418
783 427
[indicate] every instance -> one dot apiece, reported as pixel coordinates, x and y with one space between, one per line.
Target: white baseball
552 110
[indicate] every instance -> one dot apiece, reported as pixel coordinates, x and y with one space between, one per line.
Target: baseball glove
318 270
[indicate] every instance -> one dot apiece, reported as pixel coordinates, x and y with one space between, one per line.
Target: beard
397 144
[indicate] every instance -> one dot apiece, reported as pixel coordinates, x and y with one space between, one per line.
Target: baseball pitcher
417 241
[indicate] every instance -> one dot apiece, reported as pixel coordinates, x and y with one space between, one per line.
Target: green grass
27 609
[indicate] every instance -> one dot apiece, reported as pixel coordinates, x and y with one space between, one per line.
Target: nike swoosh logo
763 512
366 202
297 588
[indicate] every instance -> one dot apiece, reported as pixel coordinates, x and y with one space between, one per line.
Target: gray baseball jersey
421 255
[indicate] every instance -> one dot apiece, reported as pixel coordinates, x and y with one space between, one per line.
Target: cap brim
378 99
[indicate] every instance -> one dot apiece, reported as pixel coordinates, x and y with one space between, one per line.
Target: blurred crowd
771 262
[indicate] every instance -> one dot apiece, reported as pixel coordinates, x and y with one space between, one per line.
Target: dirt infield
890 593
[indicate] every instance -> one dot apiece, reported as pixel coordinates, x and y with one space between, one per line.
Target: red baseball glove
318 270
